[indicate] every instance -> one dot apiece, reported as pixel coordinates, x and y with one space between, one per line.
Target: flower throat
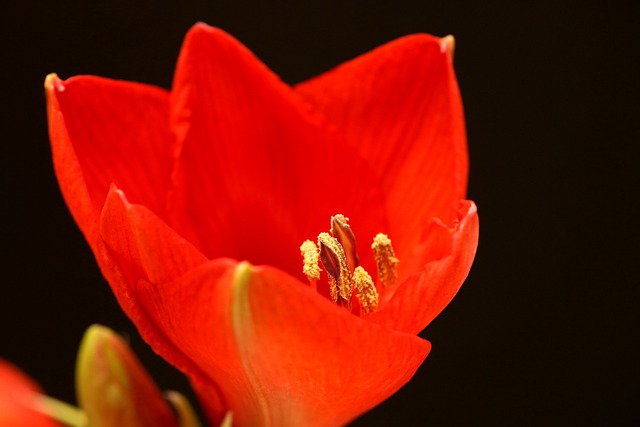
337 253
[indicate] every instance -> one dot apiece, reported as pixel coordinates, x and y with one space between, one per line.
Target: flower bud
112 386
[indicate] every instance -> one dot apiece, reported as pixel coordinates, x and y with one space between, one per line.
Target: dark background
545 330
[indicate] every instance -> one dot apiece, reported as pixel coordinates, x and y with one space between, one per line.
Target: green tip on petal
51 80
243 273
448 43
240 302
112 386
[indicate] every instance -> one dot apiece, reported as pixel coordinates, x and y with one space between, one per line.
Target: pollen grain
311 256
385 259
365 290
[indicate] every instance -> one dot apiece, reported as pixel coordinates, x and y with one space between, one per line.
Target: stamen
311 256
340 230
365 290
385 259
337 253
335 263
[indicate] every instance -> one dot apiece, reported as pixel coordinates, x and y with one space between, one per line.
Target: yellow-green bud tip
112 386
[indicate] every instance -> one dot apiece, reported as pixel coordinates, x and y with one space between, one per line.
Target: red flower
20 400
174 190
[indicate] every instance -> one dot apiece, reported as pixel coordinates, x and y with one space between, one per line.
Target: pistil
334 261
340 230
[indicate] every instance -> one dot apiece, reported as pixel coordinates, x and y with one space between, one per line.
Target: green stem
61 411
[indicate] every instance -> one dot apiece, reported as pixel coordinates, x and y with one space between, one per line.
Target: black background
545 330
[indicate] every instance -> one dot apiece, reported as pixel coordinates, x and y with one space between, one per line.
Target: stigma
350 285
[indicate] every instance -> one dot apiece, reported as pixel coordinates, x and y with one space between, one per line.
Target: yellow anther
311 256
365 290
335 263
333 289
385 259
343 219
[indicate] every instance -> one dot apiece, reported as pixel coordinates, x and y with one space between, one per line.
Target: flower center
337 253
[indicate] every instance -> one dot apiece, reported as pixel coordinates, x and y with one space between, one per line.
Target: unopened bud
112 386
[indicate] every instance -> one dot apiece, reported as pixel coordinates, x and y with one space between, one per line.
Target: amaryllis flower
197 202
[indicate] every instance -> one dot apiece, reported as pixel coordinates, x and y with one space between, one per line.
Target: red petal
325 366
65 161
105 131
137 247
146 247
400 107
257 174
279 353
18 400
423 295
194 314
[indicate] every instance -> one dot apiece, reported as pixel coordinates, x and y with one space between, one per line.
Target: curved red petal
146 247
136 248
67 167
316 363
257 173
277 352
18 400
423 295
400 107
106 131
194 314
